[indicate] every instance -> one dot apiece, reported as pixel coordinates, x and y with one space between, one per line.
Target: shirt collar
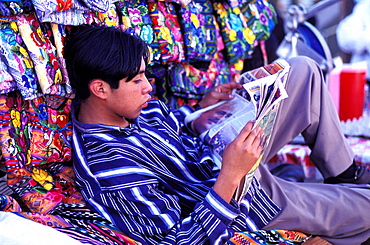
90 128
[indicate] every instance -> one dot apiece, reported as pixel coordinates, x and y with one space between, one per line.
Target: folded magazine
258 100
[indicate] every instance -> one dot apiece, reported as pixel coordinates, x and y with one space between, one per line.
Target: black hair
101 52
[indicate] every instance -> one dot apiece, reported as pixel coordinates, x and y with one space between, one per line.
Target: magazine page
259 99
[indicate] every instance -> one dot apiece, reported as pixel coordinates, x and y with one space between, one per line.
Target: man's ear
98 88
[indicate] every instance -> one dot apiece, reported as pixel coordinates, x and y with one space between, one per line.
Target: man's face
131 97
210 118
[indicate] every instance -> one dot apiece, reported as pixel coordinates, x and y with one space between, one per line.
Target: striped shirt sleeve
151 216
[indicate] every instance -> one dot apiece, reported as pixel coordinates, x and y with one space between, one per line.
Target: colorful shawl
199 30
167 30
243 24
135 19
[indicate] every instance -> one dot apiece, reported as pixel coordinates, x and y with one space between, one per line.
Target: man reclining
143 170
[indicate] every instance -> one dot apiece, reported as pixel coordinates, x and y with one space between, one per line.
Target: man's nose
149 88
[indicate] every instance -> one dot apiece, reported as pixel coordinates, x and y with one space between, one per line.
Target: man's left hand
219 93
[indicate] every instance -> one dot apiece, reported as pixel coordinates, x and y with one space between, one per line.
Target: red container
352 93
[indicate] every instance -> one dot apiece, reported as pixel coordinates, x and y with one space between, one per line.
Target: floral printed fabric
192 83
35 147
43 55
199 30
261 16
15 7
243 25
7 83
45 9
135 19
36 151
167 30
281 237
17 63
75 12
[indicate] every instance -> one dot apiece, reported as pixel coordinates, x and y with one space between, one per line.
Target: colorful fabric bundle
43 55
76 220
47 11
199 30
135 19
16 62
269 237
238 37
261 16
58 34
167 30
75 12
108 18
15 7
189 82
7 83
35 147
241 26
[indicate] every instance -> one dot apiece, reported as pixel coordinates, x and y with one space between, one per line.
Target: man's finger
228 86
246 130
222 95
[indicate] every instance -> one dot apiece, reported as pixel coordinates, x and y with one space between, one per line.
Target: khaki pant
338 213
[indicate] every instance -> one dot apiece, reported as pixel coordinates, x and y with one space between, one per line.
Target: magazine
258 100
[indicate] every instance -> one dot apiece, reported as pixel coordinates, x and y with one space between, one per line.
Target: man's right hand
238 158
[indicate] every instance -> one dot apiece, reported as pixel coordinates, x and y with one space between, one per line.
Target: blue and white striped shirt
154 180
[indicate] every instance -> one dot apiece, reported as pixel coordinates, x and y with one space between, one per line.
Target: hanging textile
58 34
76 12
47 10
7 83
199 30
15 7
261 16
35 147
192 83
242 25
42 53
167 30
17 63
135 19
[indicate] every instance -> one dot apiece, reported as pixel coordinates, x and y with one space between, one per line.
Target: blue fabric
154 181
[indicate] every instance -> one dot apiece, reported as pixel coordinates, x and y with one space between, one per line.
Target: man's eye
221 113
228 115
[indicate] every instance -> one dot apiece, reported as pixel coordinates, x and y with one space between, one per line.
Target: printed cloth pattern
58 33
135 19
192 83
45 9
281 237
35 147
261 16
17 63
241 26
167 29
199 30
7 83
75 13
14 7
43 55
